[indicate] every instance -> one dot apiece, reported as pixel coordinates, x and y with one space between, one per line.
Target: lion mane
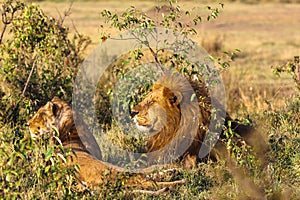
176 114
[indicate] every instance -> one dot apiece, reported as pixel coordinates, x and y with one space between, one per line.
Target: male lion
176 114
57 113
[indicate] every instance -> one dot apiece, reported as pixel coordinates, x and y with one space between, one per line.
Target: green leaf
49 154
38 172
11 159
47 168
229 123
193 97
8 177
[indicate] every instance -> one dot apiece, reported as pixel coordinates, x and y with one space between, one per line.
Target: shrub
38 60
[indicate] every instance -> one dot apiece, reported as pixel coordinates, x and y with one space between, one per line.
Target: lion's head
175 114
58 114
160 107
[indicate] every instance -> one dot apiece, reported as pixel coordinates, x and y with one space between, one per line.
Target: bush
38 60
285 143
32 170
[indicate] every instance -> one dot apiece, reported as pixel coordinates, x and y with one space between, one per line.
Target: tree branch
172 183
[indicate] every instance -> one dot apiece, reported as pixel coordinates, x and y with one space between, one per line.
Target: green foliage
285 144
284 137
39 56
38 60
292 68
172 18
14 109
143 27
33 169
242 152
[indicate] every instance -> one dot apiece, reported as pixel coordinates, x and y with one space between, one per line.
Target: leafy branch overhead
147 29
169 16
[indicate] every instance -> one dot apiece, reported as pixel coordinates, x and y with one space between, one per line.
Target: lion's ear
174 97
55 98
55 105
177 98
54 108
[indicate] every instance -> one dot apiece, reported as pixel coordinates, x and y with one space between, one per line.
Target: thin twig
6 22
67 13
297 70
152 52
29 77
172 183
154 193
2 33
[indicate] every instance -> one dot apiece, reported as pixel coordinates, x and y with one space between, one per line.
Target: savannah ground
267 34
